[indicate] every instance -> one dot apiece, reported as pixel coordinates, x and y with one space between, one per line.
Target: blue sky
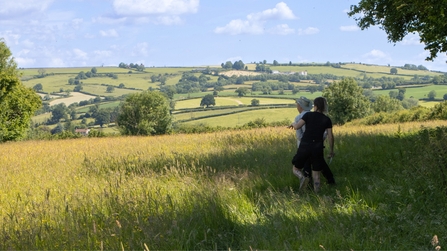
76 33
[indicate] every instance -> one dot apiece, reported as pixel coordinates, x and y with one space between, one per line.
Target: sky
167 33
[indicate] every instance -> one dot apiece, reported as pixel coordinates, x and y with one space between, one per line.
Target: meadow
231 190
418 92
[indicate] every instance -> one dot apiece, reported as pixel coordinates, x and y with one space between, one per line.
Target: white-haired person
311 146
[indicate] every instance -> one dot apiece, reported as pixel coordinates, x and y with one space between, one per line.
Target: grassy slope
227 190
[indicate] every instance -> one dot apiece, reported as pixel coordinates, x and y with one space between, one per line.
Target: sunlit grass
221 191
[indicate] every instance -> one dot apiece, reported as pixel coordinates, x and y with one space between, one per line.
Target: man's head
304 104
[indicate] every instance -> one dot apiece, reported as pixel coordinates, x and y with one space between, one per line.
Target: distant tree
71 81
94 70
410 103
163 80
422 68
393 94
431 95
77 88
275 63
144 113
17 102
240 80
295 89
255 102
346 101
153 78
228 65
110 89
241 91
238 65
58 112
445 96
208 100
384 103
121 85
219 88
401 94
393 71
41 72
38 87
169 90
58 129
102 117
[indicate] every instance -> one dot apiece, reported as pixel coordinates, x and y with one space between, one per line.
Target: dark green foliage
208 100
17 103
399 18
145 113
346 101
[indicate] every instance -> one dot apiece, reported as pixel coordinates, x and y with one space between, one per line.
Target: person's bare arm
298 124
330 137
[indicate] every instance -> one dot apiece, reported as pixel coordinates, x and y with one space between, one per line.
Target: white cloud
148 7
76 23
109 33
89 36
411 40
80 54
141 49
282 29
234 59
238 26
57 62
27 43
10 37
102 53
375 54
169 20
280 12
308 31
109 20
24 62
349 28
255 22
18 8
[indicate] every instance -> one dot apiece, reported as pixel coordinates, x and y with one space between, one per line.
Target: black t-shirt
316 124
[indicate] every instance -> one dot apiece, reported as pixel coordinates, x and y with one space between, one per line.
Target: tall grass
228 190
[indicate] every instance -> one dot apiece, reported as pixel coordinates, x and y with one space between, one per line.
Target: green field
386 70
198 114
418 92
238 119
228 101
345 71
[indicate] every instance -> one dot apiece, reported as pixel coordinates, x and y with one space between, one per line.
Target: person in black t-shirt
312 142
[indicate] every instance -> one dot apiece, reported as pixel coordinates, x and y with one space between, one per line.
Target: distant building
83 131
303 73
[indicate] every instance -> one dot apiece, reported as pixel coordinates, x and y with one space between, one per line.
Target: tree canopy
17 103
144 113
398 18
208 100
346 101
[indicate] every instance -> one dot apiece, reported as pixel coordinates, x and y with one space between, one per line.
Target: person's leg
316 180
327 173
299 163
318 164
